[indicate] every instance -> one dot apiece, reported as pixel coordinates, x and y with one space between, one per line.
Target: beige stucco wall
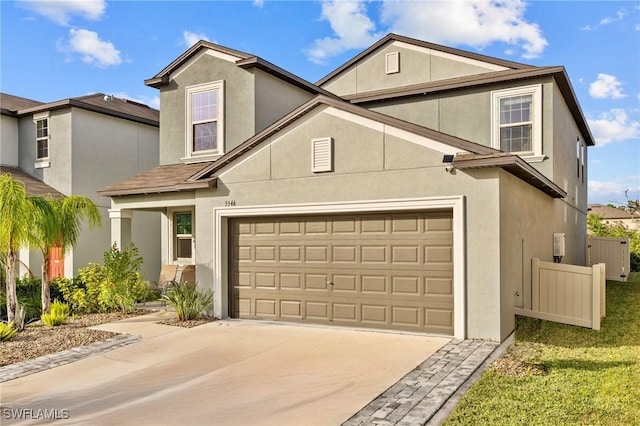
565 133
89 151
8 141
417 65
239 113
274 98
528 220
58 175
279 174
106 150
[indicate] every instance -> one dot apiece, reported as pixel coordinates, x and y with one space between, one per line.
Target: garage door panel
317 310
291 281
392 270
342 283
315 282
439 286
291 309
374 284
375 314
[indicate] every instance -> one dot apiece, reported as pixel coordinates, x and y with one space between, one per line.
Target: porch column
121 227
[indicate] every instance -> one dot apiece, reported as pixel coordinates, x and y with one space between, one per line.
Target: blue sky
53 50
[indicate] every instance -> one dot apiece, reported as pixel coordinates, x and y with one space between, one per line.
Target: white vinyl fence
614 252
567 293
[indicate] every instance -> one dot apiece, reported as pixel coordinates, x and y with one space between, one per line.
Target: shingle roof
34 187
610 213
10 104
104 104
512 164
166 178
246 60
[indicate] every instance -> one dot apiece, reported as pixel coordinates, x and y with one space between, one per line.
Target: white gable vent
392 62
322 155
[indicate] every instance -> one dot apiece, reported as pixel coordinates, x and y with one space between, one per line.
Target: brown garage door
390 270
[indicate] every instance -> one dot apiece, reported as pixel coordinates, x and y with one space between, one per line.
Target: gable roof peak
391 37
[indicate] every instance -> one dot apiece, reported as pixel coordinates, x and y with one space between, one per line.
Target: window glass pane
42 130
183 223
204 106
183 247
42 148
205 136
516 109
515 138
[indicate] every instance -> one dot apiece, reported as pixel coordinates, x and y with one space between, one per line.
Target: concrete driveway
224 373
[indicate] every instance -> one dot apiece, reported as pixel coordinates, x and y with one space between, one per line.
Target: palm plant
18 215
62 229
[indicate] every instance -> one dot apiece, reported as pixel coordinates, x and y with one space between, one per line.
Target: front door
56 263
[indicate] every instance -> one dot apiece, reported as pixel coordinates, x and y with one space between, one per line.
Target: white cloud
620 15
474 23
93 50
258 3
606 86
613 126
190 38
61 11
352 27
613 192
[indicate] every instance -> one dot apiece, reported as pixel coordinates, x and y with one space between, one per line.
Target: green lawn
564 375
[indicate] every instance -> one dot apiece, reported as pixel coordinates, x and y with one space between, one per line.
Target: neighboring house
74 147
409 189
614 215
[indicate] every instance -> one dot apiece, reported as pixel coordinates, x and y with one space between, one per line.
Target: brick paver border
21 369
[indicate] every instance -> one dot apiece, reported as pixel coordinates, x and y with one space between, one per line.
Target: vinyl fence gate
614 252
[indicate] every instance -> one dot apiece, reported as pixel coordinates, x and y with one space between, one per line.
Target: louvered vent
392 62
322 155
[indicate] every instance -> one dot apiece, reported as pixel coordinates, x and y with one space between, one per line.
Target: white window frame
536 120
201 88
37 118
173 245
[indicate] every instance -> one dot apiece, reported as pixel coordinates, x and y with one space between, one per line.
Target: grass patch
558 374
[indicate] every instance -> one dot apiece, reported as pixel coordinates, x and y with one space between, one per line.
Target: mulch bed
37 339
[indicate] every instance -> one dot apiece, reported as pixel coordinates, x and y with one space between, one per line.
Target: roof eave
67 103
180 187
514 165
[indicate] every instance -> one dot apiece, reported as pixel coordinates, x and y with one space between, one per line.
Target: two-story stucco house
76 146
409 189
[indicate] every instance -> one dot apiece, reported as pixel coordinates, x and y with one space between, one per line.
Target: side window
42 139
183 236
517 120
205 127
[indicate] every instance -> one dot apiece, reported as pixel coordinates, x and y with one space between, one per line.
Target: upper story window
517 120
42 136
204 121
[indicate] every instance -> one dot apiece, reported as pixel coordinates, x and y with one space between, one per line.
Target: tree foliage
18 215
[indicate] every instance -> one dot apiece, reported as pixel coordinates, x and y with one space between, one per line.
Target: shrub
29 295
122 286
86 292
58 315
116 285
187 300
7 331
